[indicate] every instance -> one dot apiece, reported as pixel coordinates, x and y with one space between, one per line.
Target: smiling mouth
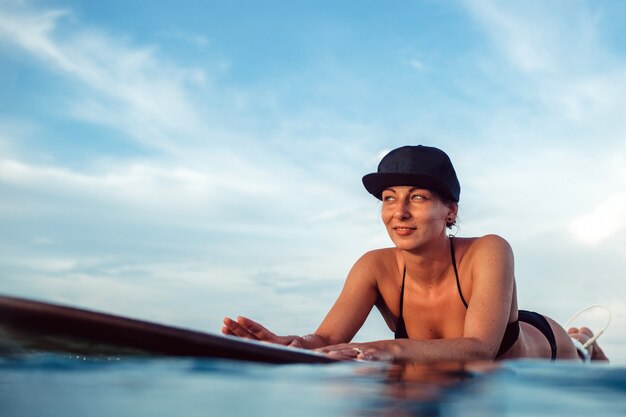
404 231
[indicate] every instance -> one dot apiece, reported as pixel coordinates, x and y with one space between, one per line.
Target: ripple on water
71 386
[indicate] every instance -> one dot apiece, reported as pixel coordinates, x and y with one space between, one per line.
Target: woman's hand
363 351
249 329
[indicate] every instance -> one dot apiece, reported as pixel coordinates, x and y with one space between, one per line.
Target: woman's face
414 216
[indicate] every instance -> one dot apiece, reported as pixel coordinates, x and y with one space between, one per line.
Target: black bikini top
511 332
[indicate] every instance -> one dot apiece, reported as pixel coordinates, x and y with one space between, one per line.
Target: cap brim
377 182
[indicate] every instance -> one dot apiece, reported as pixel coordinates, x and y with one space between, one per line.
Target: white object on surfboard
583 348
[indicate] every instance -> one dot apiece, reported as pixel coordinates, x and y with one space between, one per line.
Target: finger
226 331
228 322
330 348
345 353
237 330
342 355
295 343
572 330
381 356
256 329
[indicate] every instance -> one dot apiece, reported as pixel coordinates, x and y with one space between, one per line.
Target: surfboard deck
27 325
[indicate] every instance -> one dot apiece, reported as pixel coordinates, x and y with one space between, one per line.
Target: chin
406 245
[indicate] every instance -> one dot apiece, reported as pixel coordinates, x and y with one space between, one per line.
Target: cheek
386 214
438 214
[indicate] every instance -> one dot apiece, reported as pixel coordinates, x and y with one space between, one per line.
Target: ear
454 209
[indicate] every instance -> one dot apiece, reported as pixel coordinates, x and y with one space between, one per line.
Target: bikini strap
456 272
402 291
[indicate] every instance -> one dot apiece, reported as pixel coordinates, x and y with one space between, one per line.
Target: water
57 385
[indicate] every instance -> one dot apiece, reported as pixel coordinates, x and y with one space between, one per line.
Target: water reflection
420 389
67 386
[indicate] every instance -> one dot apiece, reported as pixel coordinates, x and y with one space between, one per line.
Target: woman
445 298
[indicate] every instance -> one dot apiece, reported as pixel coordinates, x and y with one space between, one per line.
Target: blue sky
182 162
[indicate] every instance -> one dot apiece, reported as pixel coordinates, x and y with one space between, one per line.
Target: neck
428 266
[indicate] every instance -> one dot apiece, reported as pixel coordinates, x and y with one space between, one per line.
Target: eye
388 197
418 197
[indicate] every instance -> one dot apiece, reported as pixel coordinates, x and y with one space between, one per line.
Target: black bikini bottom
540 323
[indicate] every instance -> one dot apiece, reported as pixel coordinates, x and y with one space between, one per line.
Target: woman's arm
458 349
344 319
493 288
355 301
490 262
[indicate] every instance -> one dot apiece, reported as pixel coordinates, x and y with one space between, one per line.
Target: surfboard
34 326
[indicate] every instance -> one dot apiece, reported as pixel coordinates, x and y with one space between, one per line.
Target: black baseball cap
420 166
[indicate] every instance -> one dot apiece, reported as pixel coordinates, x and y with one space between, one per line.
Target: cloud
558 138
559 61
540 37
604 222
135 91
227 193
411 59
199 41
592 101
145 184
417 64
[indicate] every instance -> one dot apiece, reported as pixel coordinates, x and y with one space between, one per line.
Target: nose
402 211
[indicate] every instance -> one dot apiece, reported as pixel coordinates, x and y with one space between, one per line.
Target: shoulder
378 261
490 244
486 249
488 254
380 257
383 254
482 245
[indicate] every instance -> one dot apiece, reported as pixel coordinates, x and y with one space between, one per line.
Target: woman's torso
429 311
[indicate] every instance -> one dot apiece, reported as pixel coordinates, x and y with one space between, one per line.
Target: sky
184 161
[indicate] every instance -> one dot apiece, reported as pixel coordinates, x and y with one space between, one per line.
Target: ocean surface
70 386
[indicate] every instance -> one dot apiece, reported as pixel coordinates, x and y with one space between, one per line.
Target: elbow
486 355
477 350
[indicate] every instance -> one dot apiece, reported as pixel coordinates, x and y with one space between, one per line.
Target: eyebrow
410 190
